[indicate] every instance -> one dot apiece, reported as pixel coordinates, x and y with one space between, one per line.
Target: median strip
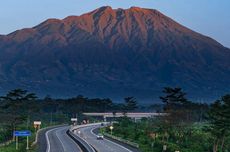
85 147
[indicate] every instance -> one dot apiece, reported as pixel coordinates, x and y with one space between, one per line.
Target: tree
176 104
114 115
130 104
219 118
174 98
18 103
50 106
177 108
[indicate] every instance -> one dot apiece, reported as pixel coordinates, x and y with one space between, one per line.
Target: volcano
113 53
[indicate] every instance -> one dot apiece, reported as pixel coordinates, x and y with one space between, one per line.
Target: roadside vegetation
185 126
20 108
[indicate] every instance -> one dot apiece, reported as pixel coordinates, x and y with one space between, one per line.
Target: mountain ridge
107 50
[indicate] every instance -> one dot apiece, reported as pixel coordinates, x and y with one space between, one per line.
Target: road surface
58 141
104 145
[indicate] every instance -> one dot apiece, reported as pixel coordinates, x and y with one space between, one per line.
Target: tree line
19 107
183 117
22 107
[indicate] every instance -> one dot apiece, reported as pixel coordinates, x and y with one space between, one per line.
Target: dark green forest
185 125
19 108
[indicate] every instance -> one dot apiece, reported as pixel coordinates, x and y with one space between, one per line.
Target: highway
104 145
58 141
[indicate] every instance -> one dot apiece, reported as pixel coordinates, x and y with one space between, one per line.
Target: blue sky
209 17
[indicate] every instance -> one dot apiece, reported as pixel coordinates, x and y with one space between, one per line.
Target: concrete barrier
85 147
82 126
122 140
135 145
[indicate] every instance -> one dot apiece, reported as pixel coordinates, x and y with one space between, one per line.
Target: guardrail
122 140
135 145
85 147
84 143
82 126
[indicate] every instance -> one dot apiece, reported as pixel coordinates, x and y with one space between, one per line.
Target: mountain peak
113 50
136 8
106 9
109 9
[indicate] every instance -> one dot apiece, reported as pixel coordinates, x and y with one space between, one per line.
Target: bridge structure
134 115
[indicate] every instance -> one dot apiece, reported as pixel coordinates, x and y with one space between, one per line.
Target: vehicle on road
100 137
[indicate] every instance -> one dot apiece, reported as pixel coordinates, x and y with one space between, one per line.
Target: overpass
134 115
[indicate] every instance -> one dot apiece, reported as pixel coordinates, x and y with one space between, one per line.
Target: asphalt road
104 145
58 141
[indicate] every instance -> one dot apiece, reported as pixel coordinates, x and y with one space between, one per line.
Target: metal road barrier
122 140
85 147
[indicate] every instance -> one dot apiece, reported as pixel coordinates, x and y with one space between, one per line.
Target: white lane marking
60 141
47 139
110 141
100 142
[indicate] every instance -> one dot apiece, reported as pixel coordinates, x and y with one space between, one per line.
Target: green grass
6 133
21 147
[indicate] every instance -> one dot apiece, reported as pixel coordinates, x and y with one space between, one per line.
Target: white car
100 136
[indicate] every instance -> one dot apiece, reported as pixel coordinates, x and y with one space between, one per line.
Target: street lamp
164 147
111 129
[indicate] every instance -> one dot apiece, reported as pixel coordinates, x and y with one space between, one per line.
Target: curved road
58 141
100 145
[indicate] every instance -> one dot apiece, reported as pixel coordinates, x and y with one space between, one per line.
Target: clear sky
209 17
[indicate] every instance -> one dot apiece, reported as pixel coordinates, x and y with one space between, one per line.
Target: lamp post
164 147
111 129
152 145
